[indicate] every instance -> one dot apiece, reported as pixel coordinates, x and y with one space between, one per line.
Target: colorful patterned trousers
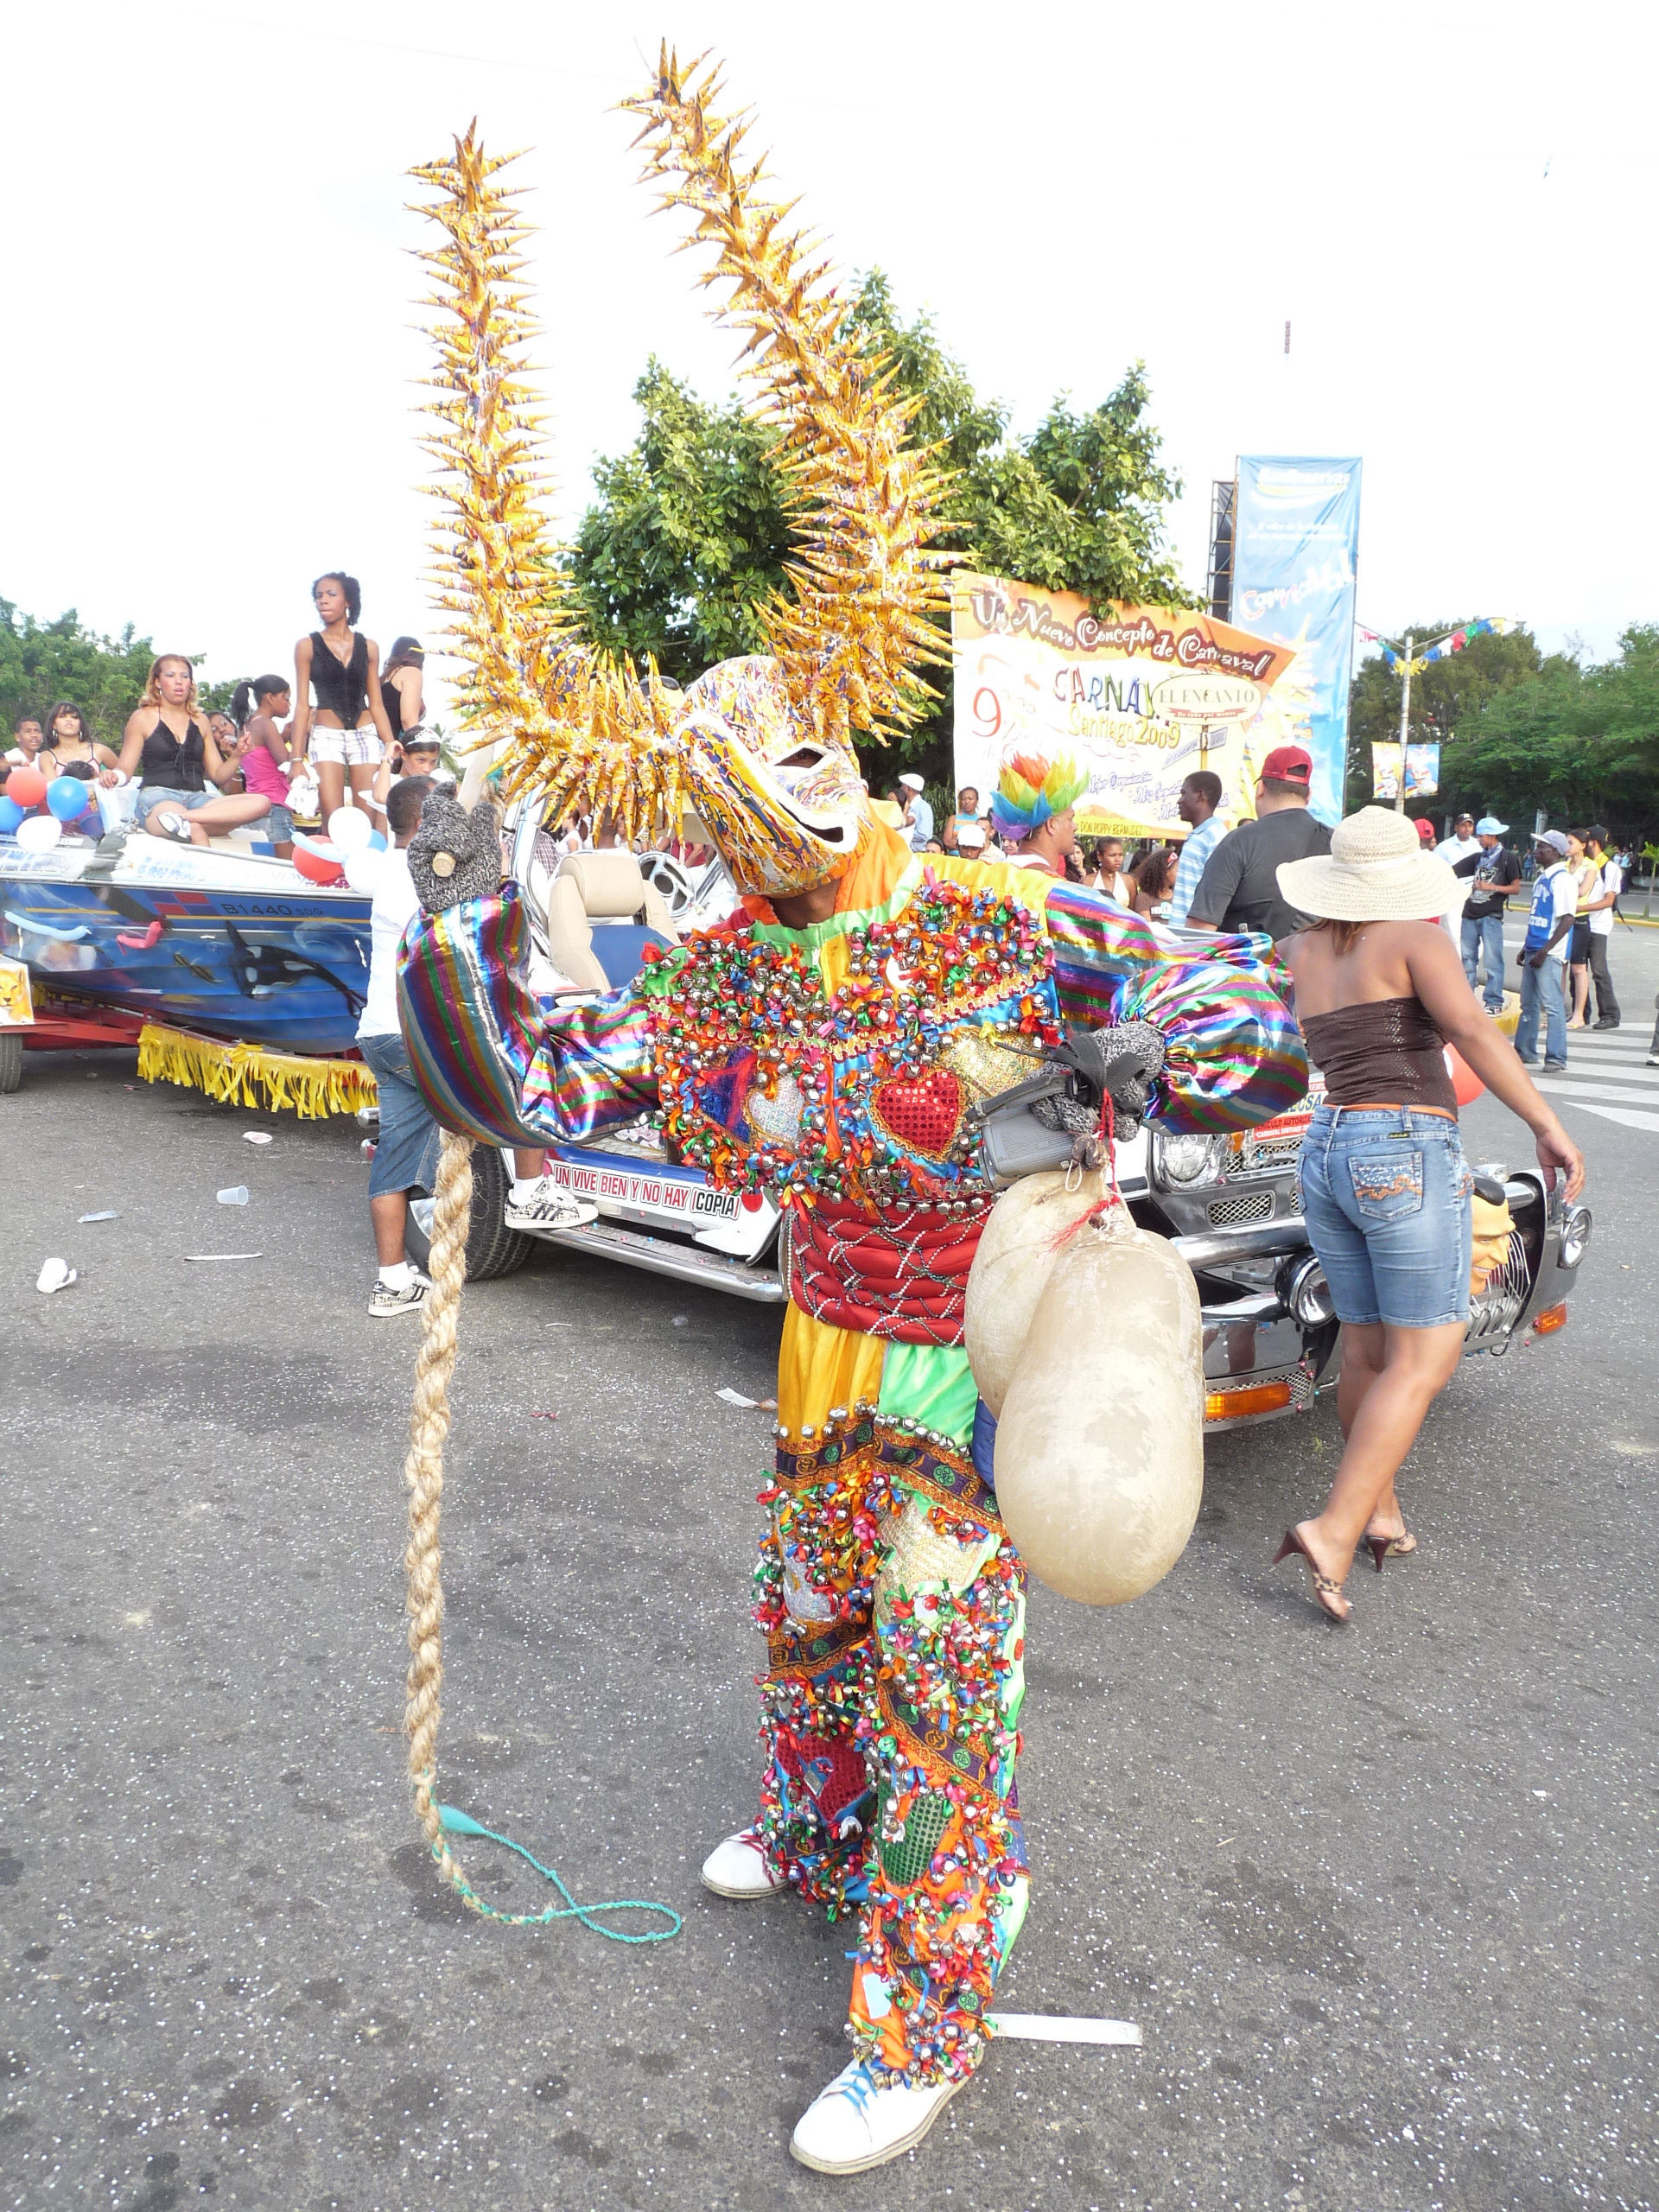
894 1607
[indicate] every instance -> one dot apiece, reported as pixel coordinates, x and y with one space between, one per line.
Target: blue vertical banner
1295 541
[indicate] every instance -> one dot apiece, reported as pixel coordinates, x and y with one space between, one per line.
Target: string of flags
1443 648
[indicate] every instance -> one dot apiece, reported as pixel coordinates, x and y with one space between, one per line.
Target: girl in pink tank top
265 761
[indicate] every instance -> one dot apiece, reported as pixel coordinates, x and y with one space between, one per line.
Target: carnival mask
783 806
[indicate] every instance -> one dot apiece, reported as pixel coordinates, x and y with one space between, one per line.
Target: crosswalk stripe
1622 1113
1618 1070
1578 1091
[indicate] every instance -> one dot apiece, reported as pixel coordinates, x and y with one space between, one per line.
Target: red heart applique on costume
923 1112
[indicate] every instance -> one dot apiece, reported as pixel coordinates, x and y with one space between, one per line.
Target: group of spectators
1219 879
282 753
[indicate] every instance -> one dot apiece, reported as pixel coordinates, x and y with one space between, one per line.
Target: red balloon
27 786
1466 1086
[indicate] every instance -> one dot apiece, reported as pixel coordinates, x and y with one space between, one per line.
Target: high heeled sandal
1400 1546
1324 1590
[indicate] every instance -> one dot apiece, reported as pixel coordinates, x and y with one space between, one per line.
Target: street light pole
1405 720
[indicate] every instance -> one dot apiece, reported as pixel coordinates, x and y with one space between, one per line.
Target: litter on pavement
55 1274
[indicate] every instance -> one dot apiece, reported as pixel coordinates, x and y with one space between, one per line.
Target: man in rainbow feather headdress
827 1047
1034 808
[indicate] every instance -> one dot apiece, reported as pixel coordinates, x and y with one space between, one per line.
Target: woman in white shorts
346 732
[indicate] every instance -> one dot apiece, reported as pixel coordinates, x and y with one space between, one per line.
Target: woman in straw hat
1380 991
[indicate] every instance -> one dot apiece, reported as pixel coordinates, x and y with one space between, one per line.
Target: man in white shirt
1543 955
1600 911
1462 844
1200 797
917 813
1463 851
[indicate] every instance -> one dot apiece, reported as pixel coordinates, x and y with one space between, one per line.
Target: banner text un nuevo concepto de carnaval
1138 696
1295 540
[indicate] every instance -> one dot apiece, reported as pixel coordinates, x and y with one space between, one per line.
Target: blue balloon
10 815
377 840
68 797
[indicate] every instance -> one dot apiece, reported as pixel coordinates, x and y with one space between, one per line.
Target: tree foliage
1520 730
42 663
689 533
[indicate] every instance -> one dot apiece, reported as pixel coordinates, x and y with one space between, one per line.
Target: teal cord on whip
456 1822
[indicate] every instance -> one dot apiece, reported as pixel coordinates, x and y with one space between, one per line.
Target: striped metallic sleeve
1234 1056
488 1061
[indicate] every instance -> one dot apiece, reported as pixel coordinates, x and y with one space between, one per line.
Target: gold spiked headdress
761 747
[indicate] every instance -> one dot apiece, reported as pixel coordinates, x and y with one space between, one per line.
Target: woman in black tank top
169 749
345 733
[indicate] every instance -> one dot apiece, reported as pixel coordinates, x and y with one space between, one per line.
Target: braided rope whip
428 1427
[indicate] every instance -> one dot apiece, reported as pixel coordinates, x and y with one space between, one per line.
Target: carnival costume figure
828 1048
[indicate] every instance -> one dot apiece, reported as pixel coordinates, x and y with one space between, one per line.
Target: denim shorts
155 795
1385 1194
406 1152
278 824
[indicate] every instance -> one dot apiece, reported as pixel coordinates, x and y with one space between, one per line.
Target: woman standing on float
347 731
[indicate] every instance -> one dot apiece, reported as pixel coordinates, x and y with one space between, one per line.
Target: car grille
1248 1205
1495 1312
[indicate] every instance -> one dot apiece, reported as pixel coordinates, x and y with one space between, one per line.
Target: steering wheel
665 874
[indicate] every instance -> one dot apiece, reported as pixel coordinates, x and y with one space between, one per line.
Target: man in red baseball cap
1239 888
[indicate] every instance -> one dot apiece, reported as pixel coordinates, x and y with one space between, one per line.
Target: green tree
42 663
1580 742
688 535
1446 699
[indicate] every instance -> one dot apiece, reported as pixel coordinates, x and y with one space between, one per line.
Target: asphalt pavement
1381 1897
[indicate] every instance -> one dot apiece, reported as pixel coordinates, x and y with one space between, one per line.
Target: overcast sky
208 375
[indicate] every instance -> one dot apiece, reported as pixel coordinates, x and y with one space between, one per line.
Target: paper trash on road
55 1274
1056 2027
237 1196
256 1136
100 1217
758 1405
224 1255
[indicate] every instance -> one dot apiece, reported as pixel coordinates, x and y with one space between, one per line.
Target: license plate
631 1190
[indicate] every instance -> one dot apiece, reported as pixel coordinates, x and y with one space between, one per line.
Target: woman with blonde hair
1380 991
345 733
174 757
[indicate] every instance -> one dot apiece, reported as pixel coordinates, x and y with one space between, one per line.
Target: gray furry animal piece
455 855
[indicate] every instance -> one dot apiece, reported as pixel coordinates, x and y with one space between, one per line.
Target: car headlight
1576 1237
1307 1294
1186 1160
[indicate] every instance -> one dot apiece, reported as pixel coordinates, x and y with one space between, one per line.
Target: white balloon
38 833
1099 1464
350 828
364 869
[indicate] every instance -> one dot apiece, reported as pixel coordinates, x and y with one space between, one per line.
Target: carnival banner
1295 539
1422 772
1139 696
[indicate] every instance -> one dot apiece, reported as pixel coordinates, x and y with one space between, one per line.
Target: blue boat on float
226 942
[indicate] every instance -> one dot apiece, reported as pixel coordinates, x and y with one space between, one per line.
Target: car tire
11 1059
492 1248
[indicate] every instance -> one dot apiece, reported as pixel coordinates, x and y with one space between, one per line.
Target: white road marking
1621 1114
1580 1090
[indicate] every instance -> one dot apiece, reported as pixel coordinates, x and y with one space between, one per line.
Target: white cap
912 783
969 835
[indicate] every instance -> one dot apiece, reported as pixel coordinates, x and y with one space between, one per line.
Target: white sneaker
737 1868
386 1301
853 2124
550 1205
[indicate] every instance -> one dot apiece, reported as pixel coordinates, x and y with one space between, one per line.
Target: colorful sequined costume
833 1067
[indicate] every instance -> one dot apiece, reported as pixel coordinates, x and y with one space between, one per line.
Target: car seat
609 888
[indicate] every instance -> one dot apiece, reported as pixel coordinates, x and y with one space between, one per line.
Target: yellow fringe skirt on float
251 1075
